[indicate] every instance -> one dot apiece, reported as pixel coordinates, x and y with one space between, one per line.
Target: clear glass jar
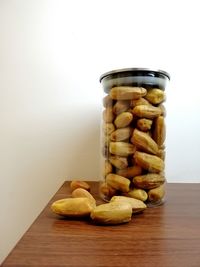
133 134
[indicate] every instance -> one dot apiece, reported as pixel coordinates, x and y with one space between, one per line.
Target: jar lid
136 71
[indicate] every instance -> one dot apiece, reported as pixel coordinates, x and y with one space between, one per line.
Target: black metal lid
136 71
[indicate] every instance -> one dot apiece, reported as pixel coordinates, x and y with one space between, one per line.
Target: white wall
51 56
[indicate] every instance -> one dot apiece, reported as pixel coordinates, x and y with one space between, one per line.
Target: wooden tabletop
165 236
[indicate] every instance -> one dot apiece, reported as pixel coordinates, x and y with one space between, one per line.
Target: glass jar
133 134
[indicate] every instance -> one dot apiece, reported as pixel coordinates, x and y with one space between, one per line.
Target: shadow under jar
133 134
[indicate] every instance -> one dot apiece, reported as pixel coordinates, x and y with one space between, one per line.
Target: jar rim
135 71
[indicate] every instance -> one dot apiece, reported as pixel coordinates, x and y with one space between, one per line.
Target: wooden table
166 236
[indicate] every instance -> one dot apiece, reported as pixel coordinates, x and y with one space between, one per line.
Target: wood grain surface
165 236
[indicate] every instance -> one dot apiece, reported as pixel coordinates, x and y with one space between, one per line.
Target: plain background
51 56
